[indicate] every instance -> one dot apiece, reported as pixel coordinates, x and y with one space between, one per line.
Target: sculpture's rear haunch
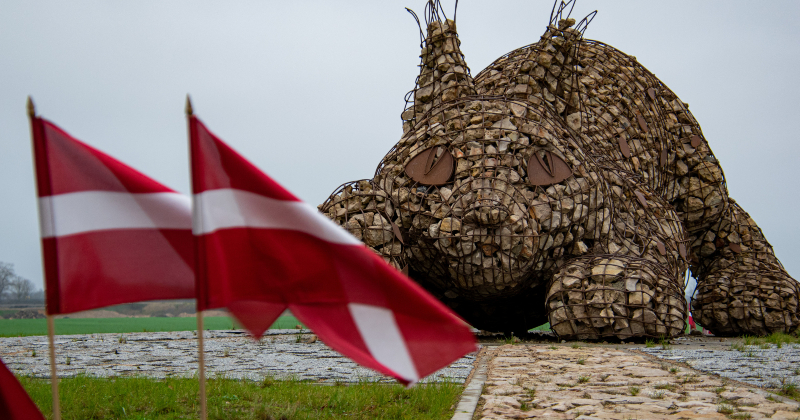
566 183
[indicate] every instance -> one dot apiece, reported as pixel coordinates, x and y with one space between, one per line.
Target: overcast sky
312 91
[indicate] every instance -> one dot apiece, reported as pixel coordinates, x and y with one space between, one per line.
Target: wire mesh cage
364 211
742 288
565 182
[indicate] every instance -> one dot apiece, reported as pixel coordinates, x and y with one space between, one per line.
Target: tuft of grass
737 346
576 345
789 389
581 361
583 379
664 343
69 360
172 398
667 386
649 343
633 390
725 409
674 370
780 338
33 353
553 348
658 395
740 415
687 379
719 390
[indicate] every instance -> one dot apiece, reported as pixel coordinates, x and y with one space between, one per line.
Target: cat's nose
488 207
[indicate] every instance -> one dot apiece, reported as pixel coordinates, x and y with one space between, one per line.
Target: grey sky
312 91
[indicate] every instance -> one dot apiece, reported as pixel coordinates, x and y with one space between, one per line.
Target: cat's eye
433 166
545 168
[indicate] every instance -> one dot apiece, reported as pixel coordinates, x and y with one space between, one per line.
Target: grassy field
25 327
176 398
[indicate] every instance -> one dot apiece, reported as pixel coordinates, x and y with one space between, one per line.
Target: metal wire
565 182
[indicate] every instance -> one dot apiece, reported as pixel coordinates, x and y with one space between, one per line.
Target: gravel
770 367
280 354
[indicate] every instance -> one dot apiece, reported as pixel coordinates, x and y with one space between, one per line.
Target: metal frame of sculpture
564 182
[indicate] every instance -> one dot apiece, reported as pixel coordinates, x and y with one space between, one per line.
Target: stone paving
558 381
765 366
232 354
548 380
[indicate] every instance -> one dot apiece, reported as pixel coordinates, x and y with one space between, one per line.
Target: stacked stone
473 250
444 75
629 119
742 287
635 289
364 211
632 195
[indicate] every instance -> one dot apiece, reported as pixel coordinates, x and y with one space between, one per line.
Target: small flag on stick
262 250
15 403
110 234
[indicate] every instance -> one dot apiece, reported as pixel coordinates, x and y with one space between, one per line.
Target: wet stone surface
584 383
767 366
279 354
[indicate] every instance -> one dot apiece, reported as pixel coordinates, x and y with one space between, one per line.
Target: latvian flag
110 234
261 250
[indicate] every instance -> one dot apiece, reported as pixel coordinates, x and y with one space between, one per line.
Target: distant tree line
15 287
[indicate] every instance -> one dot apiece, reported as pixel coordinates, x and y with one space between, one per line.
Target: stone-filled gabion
566 183
742 288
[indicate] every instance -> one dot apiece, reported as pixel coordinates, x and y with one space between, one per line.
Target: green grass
26 327
777 338
176 398
543 327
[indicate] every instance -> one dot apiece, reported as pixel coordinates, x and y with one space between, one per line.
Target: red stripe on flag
95 270
76 166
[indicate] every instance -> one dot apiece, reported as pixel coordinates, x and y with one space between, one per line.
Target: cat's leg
629 286
742 288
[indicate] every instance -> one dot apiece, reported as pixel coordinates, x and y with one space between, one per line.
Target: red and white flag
15 403
110 234
261 250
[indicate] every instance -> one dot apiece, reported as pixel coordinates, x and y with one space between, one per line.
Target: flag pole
50 325
201 372
53 375
201 364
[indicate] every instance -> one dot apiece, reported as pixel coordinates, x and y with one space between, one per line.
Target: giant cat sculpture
564 183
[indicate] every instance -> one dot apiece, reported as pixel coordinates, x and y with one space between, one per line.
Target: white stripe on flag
379 330
230 208
88 211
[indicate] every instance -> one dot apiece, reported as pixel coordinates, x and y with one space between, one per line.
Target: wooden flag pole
53 375
201 362
50 326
